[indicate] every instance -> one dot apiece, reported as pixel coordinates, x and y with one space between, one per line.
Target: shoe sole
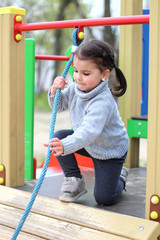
72 199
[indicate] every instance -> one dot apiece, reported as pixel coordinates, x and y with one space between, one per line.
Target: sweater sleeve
63 99
90 128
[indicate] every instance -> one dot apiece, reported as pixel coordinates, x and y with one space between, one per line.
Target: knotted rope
76 42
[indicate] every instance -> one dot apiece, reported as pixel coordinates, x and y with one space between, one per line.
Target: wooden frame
11 99
69 221
130 62
153 154
12 94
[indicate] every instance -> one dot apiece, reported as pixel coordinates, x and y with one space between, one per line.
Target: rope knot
77 40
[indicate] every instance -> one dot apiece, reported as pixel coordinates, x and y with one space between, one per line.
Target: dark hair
103 55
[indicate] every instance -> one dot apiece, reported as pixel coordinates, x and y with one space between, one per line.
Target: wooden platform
52 219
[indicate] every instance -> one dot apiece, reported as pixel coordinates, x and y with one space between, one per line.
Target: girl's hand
59 82
56 146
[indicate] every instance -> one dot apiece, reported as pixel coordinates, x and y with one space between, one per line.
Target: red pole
51 57
123 20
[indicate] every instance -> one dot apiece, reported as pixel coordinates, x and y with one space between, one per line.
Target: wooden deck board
50 228
57 220
7 232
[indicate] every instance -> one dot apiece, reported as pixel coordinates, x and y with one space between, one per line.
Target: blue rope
51 135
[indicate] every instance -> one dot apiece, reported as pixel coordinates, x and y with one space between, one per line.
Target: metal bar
51 57
123 20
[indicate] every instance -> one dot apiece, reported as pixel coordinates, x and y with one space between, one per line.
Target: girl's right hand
59 82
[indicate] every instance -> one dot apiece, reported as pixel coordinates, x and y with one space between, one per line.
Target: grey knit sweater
95 120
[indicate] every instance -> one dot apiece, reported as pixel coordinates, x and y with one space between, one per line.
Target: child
98 131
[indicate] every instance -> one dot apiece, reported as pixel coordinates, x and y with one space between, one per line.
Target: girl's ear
106 73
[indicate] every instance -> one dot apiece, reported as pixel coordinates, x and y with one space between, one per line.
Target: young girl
98 131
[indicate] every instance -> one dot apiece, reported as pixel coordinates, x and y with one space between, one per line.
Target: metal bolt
139 124
141 228
139 133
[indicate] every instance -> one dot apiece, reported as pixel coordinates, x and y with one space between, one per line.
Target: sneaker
72 189
124 175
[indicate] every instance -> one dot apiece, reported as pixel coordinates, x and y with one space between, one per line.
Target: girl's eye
75 70
86 74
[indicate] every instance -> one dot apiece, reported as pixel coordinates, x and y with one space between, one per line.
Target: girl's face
87 75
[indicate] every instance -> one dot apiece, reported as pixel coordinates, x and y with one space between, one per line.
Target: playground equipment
52 219
29 107
137 126
12 99
30 57
2 175
76 43
49 57
145 66
128 32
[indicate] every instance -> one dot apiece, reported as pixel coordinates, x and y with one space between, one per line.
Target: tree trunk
58 34
108 35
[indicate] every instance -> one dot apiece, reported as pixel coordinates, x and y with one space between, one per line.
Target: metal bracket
17 34
2 174
155 208
79 33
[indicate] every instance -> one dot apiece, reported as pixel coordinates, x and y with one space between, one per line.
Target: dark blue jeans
108 185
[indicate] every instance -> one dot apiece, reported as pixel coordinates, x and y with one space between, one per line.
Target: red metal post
123 20
51 57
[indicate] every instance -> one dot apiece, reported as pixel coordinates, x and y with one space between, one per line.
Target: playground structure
137 127
12 102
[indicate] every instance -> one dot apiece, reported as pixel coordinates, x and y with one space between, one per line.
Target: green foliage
45 11
53 41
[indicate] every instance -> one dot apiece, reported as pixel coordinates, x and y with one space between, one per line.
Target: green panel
137 128
29 106
71 69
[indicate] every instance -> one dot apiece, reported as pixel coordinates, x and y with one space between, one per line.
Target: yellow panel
12 10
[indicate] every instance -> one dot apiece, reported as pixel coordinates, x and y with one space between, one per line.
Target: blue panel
145 67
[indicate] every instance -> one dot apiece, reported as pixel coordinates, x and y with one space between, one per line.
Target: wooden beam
153 154
11 99
130 62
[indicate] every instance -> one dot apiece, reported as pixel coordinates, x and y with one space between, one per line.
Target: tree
52 42
108 33
5 3
56 41
59 33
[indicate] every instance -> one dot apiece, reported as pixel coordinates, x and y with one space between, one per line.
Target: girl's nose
78 76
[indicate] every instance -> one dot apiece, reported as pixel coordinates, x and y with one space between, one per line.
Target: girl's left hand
56 146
